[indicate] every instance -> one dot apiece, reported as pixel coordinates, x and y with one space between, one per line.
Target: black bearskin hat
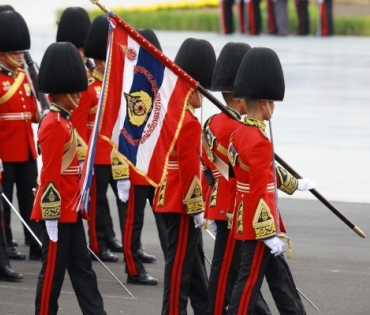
197 58
14 34
62 70
227 65
73 26
260 76
6 7
150 36
96 39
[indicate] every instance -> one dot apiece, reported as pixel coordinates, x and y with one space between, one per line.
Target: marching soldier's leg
271 23
82 275
303 18
133 226
254 17
255 257
26 176
53 269
281 17
161 226
8 186
227 21
326 18
182 237
97 213
198 292
282 287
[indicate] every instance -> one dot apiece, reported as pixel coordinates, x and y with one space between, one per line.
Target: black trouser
224 272
327 28
257 262
68 253
185 275
23 175
100 222
4 260
227 19
254 15
303 18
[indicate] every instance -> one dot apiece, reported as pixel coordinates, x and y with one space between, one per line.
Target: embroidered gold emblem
193 201
263 221
139 105
120 168
162 191
288 183
213 199
232 154
239 219
50 202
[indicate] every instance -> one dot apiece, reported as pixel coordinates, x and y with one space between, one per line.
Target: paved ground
330 265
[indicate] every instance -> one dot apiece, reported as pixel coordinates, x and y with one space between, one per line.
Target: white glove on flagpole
123 187
305 184
199 220
275 244
52 229
212 225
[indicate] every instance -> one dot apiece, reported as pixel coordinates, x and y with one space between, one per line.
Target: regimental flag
142 104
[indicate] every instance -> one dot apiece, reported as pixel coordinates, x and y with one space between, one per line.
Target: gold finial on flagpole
101 6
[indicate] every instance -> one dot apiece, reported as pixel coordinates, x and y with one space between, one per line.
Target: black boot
13 253
144 257
114 245
8 274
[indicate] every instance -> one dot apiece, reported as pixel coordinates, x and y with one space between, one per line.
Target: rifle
89 64
32 70
206 170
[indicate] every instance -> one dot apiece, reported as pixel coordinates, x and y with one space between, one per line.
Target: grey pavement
330 264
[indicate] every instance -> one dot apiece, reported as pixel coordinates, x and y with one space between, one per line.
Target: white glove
275 244
1 166
305 184
123 187
199 220
45 111
212 225
52 229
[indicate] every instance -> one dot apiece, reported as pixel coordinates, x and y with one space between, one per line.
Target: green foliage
208 19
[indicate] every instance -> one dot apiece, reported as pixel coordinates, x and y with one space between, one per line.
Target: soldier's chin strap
279 234
72 101
15 63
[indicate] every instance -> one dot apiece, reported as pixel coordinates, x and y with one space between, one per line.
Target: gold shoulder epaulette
288 183
120 168
50 202
193 201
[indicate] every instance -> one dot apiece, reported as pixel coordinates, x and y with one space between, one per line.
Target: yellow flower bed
171 6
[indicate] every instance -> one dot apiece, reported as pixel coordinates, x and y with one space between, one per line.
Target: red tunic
181 191
57 191
221 196
17 112
250 153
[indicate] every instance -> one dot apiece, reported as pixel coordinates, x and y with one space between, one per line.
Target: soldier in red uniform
63 76
18 111
102 236
220 195
256 220
179 197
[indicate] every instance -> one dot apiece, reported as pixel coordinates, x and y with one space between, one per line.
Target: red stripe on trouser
252 26
252 278
271 19
241 16
324 20
92 218
48 277
224 273
178 263
223 19
128 230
